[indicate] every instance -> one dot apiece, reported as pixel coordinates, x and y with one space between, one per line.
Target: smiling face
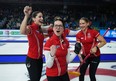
58 27
38 18
84 23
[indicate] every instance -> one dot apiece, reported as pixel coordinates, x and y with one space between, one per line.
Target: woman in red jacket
35 36
88 38
56 50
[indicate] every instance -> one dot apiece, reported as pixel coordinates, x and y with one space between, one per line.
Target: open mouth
57 31
41 21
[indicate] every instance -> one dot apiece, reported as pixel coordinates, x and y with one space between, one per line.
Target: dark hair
58 18
87 21
33 15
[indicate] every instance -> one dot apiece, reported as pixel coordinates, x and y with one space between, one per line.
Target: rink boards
14 49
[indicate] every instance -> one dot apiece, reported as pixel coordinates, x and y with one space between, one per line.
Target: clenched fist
27 10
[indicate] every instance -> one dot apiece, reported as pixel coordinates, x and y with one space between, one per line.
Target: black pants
34 67
64 77
93 62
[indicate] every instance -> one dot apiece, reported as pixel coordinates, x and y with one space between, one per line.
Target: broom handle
82 62
106 32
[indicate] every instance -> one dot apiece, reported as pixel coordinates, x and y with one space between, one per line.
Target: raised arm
73 32
46 28
23 28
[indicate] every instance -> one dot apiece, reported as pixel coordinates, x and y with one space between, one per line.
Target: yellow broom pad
75 73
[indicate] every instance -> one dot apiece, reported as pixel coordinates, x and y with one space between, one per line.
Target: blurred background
13 45
102 13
